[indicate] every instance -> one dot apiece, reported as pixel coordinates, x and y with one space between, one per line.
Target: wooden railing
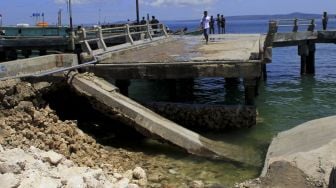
130 33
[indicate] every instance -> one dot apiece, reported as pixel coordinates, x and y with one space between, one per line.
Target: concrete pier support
250 85
307 52
123 86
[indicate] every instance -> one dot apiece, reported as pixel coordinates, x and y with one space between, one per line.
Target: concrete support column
311 59
264 72
123 86
307 52
250 85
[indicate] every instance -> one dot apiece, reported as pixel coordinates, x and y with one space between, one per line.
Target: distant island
275 16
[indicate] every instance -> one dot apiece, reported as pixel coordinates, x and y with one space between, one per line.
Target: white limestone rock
139 173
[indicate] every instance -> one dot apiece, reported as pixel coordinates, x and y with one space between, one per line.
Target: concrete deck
231 55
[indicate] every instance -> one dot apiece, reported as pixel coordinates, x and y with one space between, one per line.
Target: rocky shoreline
27 122
37 148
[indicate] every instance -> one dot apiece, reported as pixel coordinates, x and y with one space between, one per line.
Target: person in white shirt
205 25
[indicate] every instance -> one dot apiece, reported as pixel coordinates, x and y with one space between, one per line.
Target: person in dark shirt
218 23
325 20
223 22
155 22
212 25
143 21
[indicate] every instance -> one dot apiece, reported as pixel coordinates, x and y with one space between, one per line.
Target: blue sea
285 100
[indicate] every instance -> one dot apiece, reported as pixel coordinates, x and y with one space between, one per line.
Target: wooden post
123 86
250 85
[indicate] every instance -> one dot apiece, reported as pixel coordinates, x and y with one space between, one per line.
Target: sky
107 11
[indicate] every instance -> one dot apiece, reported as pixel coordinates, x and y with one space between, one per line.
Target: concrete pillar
311 59
307 52
123 86
264 72
250 85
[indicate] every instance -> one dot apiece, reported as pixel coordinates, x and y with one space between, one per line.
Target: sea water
285 100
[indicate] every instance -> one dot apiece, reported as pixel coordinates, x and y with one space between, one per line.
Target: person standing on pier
325 21
218 23
155 24
143 21
212 25
205 24
223 22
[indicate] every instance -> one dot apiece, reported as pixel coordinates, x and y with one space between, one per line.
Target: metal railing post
148 32
128 35
101 44
164 29
84 43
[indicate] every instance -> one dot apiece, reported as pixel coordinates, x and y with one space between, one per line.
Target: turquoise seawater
285 100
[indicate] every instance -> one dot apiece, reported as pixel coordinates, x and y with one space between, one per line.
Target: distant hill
278 16
271 17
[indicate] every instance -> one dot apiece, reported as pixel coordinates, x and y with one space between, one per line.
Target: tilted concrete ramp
143 119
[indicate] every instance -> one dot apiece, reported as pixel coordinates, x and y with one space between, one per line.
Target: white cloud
158 3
